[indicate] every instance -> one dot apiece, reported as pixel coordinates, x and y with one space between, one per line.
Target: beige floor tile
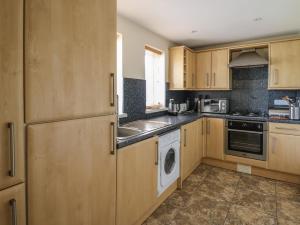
287 189
288 209
259 184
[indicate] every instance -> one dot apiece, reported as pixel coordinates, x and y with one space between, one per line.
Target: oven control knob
244 125
258 126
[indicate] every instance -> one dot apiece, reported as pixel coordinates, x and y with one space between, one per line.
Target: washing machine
168 160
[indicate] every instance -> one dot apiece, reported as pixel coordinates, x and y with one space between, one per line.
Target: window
155 78
120 73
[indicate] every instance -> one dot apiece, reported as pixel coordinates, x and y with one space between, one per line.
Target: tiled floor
217 196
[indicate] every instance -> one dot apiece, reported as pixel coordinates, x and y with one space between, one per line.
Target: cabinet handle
193 81
207 80
208 127
12 149
156 157
113 141
13 204
283 128
214 79
275 76
184 139
202 129
274 144
112 97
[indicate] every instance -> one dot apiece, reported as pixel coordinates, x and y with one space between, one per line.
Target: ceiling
207 22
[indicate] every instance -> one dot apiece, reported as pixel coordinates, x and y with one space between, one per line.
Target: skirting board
255 170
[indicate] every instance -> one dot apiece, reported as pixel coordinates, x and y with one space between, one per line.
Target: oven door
248 144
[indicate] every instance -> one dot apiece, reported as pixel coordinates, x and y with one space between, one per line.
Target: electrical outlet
243 168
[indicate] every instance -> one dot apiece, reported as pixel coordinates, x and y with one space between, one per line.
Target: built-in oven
246 139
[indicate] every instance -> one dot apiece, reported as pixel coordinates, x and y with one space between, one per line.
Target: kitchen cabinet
212 70
11 92
201 139
182 68
70 59
72 172
12 205
190 150
284 151
137 180
215 129
284 65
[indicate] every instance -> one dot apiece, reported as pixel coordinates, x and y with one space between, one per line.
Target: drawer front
283 128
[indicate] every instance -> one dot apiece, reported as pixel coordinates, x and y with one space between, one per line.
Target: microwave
215 106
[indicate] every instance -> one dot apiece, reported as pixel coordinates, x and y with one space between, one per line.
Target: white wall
135 38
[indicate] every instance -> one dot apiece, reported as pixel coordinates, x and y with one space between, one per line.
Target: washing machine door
169 162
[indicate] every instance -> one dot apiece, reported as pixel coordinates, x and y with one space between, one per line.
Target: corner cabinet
284 150
11 94
72 172
182 68
70 59
284 65
137 181
215 130
190 148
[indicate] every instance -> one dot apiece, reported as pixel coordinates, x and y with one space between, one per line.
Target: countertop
177 121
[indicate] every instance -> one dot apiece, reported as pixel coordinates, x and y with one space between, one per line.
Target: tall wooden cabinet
203 69
137 181
70 59
11 94
72 172
284 65
215 138
12 206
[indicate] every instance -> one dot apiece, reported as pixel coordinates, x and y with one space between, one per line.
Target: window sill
123 115
149 111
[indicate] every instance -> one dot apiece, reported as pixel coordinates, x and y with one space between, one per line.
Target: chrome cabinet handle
274 144
12 149
208 127
202 132
275 76
193 80
13 204
214 79
112 97
113 141
156 157
283 128
184 140
207 80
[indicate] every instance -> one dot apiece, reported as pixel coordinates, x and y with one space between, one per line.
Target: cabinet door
12 205
201 135
284 153
220 71
72 172
189 148
137 180
190 70
176 68
215 138
284 65
70 59
203 70
11 93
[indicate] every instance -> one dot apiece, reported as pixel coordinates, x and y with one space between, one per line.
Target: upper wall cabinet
212 70
284 65
182 74
11 93
70 59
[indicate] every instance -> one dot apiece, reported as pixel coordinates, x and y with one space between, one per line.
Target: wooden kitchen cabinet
182 68
137 180
70 59
11 92
203 70
190 150
201 139
284 151
284 65
215 129
72 172
12 206
212 70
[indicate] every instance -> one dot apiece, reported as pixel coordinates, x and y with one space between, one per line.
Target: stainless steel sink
127 132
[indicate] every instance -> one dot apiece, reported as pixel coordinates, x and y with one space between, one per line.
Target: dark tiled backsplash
249 93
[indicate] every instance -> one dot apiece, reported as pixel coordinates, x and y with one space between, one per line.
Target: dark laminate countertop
177 121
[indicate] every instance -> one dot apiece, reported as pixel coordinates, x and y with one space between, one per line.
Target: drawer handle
112 100
12 149
113 141
156 157
13 204
184 140
283 128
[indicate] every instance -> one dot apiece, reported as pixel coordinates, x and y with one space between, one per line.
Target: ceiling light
194 31
257 19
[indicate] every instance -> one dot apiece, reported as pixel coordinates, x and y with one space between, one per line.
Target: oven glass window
245 142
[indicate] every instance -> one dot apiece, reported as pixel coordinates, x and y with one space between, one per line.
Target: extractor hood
248 58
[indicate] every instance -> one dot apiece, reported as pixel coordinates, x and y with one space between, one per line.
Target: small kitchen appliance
215 106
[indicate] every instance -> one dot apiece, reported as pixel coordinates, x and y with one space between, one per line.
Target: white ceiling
216 21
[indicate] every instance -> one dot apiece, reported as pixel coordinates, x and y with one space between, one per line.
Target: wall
135 38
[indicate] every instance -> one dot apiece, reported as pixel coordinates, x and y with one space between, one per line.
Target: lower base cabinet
137 181
72 172
12 205
215 138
